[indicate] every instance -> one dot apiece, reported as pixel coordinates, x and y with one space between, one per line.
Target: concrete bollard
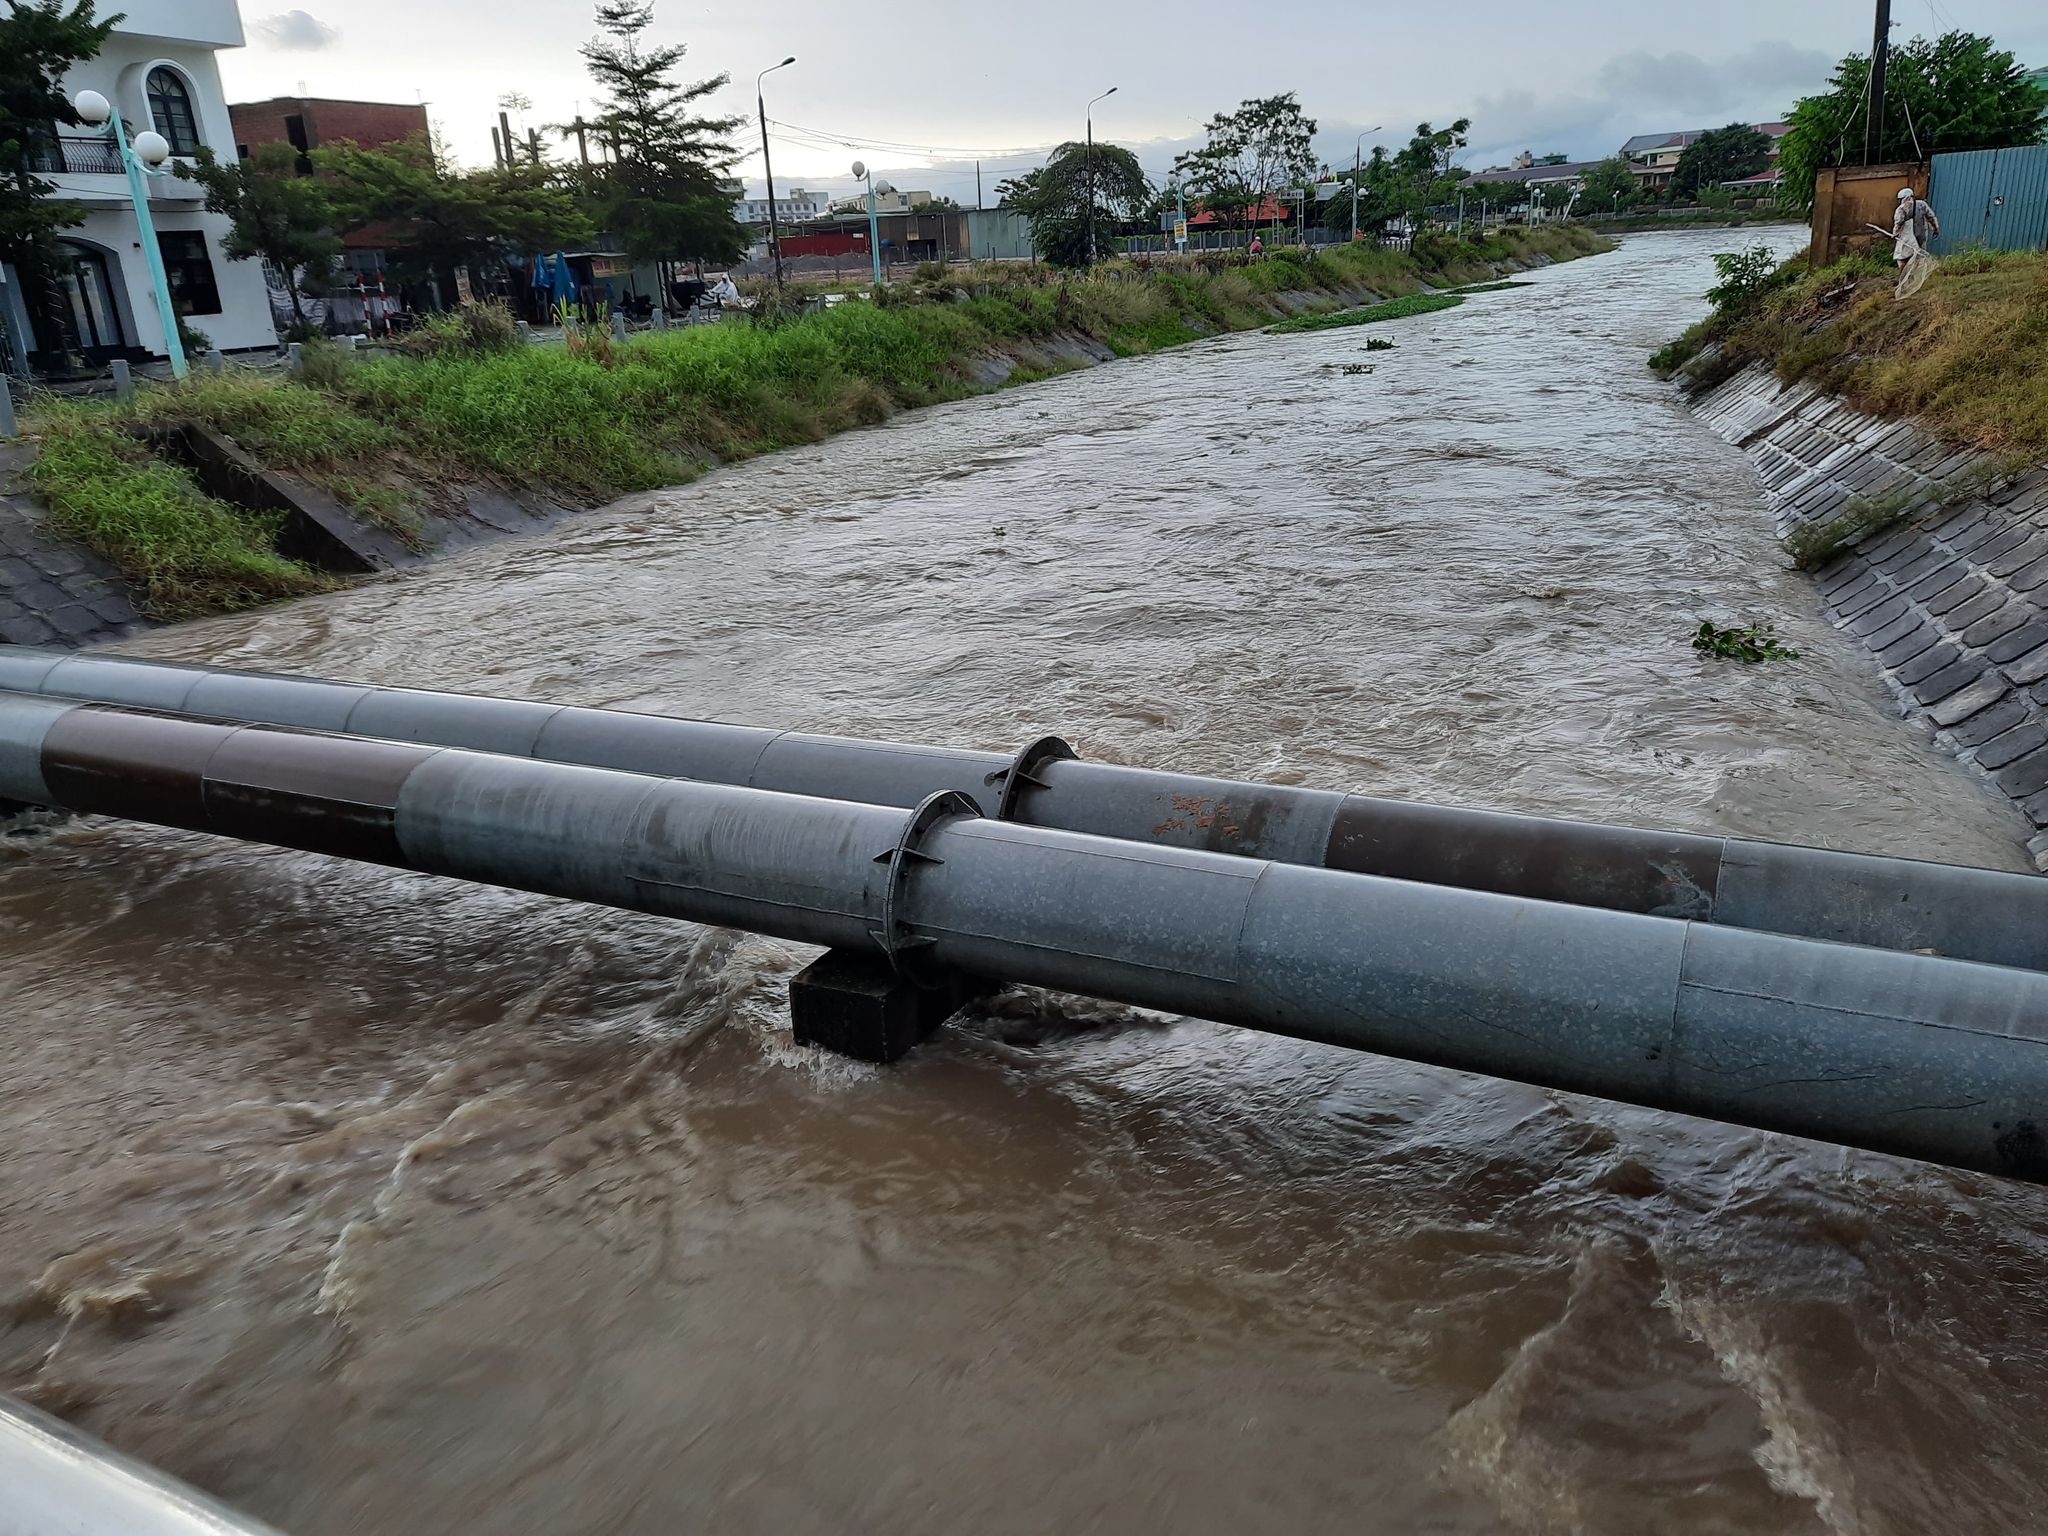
618 327
661 319
354 341
9 427
525 331
215 363
124 379
294 356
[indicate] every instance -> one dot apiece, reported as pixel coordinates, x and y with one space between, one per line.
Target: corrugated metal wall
1996 198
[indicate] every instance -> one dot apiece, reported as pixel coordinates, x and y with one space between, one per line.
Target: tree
1610 186
1718 155
1264 147
934 205
277 215
436 220
1055 198
1960 91
664 194
39 43
1422 175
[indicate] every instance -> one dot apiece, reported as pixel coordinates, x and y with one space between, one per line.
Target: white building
158 69
795 208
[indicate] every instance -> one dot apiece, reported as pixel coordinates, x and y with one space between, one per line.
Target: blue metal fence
1993 198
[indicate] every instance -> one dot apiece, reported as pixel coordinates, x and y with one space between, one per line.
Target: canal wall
1948 590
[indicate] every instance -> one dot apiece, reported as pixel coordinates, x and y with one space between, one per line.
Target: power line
893 146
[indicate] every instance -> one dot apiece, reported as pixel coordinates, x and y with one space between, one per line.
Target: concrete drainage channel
1952 599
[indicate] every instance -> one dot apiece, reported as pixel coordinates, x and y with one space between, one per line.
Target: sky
921 89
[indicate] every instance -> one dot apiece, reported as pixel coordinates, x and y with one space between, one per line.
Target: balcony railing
76 154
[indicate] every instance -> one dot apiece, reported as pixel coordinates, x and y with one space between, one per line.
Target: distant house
308 123
1535 173
1653 157
797 207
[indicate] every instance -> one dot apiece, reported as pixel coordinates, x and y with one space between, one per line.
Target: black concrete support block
2014 645
2025 776
857 1005
2003 622
1951 679
1993 721
1982 606
1942 604
2012 745
1930 660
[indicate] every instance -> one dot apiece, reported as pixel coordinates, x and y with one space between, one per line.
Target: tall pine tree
663 192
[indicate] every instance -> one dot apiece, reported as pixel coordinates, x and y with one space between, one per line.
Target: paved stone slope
1953 601
51 592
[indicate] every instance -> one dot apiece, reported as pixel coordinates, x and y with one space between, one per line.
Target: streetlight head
92 108
151 147
790 60
860 170
1110 92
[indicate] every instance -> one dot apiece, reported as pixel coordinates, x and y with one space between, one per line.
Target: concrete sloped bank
1951 600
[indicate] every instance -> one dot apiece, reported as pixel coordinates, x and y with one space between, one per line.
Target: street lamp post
768 167
1358 170
860 170
1091 171
140 160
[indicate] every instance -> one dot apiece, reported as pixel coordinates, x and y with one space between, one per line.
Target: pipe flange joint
898 942
1023 772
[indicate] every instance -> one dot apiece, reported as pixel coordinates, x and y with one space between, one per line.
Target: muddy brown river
380 1203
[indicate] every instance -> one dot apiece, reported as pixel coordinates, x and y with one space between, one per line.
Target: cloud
297 32
1643 92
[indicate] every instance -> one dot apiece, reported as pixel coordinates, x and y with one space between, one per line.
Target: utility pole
768 166
977 186
505 132
1091 171
1880 58
533 145
497 150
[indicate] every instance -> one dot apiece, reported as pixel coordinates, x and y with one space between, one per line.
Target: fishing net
1915 275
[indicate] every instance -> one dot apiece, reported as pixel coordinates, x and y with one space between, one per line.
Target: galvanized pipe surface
1919 1055
58 1481
1904 904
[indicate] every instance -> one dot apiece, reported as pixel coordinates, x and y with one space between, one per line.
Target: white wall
119 73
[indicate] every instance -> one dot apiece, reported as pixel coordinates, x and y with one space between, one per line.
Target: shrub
471 330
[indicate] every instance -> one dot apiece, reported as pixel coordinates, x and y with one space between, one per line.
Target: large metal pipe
1886 903
58 1481
1911 1054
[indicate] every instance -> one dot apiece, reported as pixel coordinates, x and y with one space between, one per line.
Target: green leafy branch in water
1745 643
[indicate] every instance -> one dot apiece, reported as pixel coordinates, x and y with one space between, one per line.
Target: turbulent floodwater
380 1203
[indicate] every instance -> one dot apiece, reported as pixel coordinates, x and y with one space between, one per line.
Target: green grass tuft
1372 314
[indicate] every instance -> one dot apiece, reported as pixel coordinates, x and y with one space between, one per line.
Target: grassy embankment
1967 355
389 435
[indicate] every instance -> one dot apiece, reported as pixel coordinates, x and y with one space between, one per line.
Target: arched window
170 108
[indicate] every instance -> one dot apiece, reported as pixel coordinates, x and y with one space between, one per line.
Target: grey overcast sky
1572 77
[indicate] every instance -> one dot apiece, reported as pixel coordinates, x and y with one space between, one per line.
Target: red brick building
306 123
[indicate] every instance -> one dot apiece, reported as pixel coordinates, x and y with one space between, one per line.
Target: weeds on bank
187 553
1966 355
1746 643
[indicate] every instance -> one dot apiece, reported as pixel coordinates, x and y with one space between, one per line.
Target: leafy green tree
1610 186
1264 147
664 193
39 43
1960 91
1718 155
436 220
1421 176
1055 198
276 215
